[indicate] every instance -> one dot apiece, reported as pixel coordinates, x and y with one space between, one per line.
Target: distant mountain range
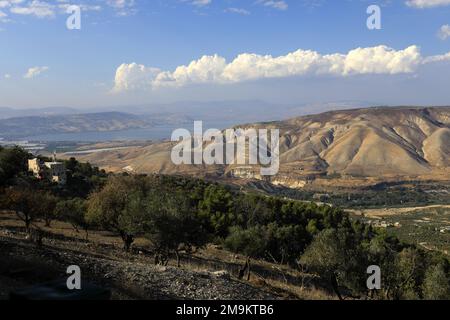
372 142
14 128
239 111
6 113
22 123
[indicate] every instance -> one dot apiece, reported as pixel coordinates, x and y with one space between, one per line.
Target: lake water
156 133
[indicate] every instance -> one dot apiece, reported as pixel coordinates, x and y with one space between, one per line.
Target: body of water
156 133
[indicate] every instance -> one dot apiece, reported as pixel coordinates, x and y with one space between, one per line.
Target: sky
137 52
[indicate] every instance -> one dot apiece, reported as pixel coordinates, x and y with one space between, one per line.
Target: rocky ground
129 276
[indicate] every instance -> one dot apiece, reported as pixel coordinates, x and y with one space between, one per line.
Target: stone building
53 171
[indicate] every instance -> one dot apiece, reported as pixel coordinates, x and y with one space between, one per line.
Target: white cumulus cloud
9 3
3 16
201 3
123 7
40 9
198 3
238 11
248 66
275 4
444 32
34 72
421 4
49 9
134 76
438 58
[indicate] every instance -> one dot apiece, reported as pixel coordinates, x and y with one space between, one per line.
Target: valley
387 165
338 149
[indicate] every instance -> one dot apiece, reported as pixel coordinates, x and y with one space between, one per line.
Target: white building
54 171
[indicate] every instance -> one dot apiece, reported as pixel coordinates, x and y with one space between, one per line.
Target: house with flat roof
53 171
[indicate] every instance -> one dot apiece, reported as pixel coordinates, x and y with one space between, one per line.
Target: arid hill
374 143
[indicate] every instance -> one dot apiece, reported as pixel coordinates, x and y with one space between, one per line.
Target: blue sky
127 52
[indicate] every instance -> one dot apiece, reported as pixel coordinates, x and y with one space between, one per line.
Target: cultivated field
427 226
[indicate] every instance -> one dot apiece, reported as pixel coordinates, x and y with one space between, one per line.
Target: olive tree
118 207
74 211
336 256
436 285
171 222
28 204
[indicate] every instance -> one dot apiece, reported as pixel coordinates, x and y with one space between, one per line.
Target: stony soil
129 276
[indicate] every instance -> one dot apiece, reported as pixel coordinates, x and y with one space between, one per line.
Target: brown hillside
373 142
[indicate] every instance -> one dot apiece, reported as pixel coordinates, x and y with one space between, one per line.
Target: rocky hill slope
373 142
209 274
